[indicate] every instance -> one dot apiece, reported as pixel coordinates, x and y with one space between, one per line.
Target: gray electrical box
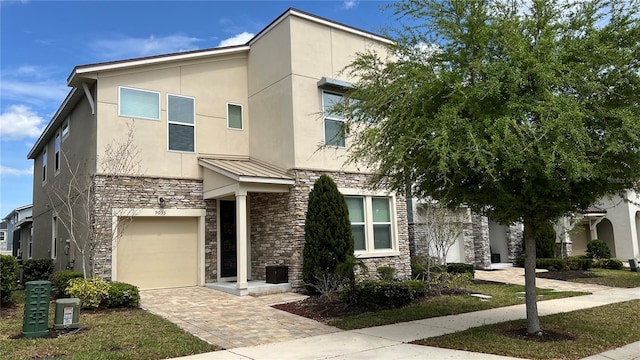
67 314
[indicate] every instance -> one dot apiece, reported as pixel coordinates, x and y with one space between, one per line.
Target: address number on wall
161 212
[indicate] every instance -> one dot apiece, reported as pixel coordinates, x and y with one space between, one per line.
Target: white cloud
239 39
8 171
18 122
33 92
135 47
350 4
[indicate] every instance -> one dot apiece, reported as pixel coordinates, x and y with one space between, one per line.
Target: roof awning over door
226 175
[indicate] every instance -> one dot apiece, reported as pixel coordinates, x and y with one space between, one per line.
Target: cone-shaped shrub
327 231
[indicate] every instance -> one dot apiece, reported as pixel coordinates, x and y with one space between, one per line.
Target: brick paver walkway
515 275
231 321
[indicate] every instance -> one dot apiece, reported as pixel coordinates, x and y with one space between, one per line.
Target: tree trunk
533 321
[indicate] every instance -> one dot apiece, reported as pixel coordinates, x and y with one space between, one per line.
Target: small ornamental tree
327 232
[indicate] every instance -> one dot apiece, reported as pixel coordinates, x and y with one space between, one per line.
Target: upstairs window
57 154
234 116
141 104
333 123
64 129
44 165
181 116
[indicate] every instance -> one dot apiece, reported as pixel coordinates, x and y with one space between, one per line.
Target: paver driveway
231 321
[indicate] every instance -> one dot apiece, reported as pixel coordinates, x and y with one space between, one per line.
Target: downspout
87 92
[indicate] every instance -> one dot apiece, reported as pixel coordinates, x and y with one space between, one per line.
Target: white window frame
370 250
44 165
56 157
325 118
30 245
64 128
138 117
182 123
54 236
241 117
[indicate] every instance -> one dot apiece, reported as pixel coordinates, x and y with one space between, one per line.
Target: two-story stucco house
230 143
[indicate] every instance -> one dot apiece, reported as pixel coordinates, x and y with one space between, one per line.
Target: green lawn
104 334
614 278
593 330
502 295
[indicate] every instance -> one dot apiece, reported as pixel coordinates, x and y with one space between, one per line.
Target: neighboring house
229 141
4 243
18 233
483 242
613 220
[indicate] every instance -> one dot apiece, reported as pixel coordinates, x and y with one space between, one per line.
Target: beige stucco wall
319 51
213 83
270 97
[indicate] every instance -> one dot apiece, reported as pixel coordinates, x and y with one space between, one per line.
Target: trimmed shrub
579 262
8 277
461 268
598 249
384 293
551 264
417 288
61 279
386 273
327 232
520 261
37 269
91 292
613 264
123 295
394 293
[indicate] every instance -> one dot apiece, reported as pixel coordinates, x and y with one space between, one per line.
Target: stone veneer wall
139 193
481 248
211 241
514 238
277 227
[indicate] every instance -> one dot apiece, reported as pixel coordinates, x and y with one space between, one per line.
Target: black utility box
277 274
495 258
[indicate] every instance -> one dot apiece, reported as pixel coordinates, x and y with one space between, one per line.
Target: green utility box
36 308
67 314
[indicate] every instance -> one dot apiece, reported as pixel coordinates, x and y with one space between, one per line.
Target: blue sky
41 42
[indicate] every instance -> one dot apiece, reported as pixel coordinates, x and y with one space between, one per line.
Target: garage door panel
159 252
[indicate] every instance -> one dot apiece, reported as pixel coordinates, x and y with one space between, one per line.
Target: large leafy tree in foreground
523 111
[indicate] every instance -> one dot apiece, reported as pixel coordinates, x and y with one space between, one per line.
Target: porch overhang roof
247 170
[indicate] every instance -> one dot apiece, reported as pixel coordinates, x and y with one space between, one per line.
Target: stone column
481 243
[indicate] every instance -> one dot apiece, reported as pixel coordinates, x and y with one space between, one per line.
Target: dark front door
228 255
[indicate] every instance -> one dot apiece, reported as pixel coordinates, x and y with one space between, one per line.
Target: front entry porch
229 180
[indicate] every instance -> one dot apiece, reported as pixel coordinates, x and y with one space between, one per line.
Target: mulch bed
565 275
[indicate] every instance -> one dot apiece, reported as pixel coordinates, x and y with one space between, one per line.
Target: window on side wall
234 116
181 123
54 237
65 128
372 223
44 165
334 134
136 103
57 154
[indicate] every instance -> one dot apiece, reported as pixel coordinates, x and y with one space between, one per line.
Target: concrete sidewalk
390 341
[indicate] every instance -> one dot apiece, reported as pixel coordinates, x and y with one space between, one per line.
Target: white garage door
159 252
